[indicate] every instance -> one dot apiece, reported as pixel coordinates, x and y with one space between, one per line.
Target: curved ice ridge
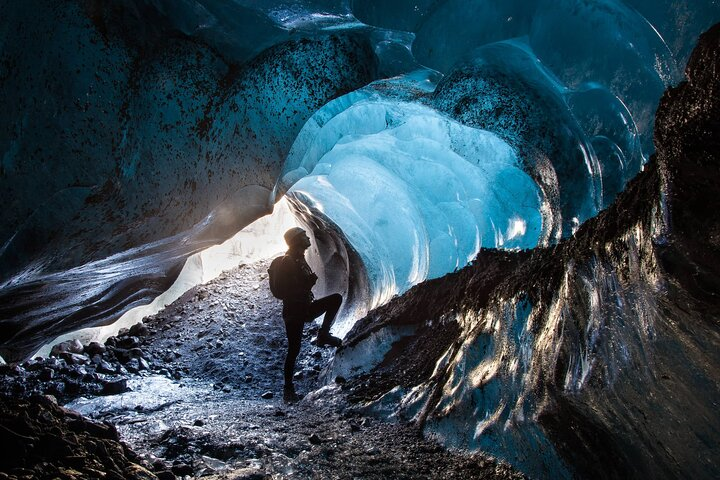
415 193
512 142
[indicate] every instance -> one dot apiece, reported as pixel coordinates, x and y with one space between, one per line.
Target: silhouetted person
300 306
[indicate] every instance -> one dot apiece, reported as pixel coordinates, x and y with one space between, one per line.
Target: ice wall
550 105
415 193
596 358
141 127
127 146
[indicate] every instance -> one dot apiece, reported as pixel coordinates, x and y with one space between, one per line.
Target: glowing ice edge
258 241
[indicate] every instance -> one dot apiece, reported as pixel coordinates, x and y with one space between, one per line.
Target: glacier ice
415 193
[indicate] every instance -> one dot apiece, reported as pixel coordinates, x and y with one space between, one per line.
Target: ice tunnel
405 135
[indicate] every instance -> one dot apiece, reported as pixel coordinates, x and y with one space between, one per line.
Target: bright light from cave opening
260 240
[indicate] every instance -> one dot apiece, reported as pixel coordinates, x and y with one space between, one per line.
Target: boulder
69 346
139 330
95 348
114 387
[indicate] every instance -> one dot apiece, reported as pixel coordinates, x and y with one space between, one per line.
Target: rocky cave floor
196 391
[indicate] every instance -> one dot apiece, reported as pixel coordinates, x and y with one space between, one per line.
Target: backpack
280 284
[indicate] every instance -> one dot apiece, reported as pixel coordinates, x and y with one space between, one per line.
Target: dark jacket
301 277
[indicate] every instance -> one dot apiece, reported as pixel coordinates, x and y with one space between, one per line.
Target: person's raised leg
329 305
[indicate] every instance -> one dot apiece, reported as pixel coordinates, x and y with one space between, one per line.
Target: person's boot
289 393
325 339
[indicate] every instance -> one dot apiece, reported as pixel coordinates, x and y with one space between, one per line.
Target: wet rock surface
196 390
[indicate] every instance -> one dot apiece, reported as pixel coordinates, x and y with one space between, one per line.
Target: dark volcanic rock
69 346
95 348
39 439
113 387
686 129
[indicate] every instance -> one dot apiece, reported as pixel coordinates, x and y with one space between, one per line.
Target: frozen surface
416 193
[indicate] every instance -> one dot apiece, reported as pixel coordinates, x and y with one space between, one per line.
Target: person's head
296 238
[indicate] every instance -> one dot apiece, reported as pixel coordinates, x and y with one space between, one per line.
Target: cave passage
422 137
505 193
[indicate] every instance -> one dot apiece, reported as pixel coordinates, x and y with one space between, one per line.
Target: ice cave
516 199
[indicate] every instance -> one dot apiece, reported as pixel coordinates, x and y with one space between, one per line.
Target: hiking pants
296 315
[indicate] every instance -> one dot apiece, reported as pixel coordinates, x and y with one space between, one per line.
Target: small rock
55 363
267 395
47 374
55 388
75 358
165 475
181 469
17 370
133 365
128 342
340 380
121 354
136 353
77 371
105 367
69 346
95 348
198 423
113 387
139 330
33 365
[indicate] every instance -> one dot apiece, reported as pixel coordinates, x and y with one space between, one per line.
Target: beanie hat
292 234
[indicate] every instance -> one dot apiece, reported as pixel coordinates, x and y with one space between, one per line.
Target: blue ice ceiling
504 124
425 130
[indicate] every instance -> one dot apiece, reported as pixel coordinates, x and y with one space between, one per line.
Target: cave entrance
262 239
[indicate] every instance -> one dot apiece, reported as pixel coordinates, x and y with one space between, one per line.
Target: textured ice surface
416 193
